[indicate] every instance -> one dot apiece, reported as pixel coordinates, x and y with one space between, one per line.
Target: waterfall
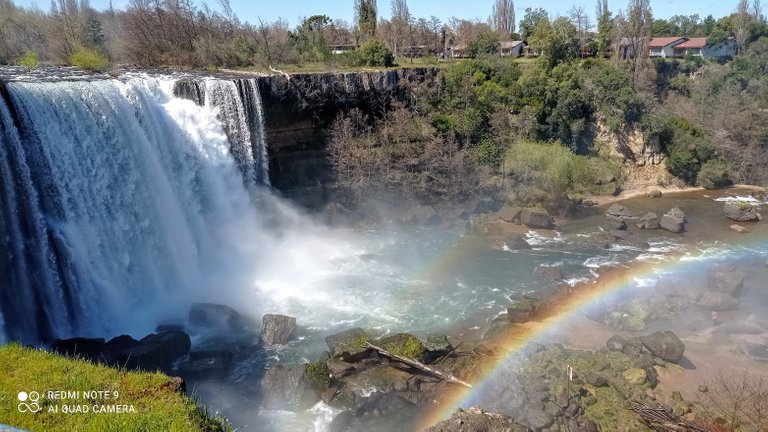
117 197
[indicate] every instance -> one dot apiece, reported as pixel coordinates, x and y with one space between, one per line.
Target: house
530 51
511 48
459 51
664 47
341 48
698 47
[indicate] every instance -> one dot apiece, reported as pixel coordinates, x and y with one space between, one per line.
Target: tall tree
503 17
757 11
604 26
532 17
635 33
401 26
365 18
741 22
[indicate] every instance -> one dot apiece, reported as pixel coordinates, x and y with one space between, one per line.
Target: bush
714 174
88 59
29 60
375 53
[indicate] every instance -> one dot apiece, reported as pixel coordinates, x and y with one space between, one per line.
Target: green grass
88 59
157 407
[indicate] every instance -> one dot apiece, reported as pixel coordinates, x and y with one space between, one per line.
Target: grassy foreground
156 404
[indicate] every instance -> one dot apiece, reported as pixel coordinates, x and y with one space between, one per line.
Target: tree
557 40
741 21
375 53
503 17
530 19
580 20
604 26
400 25
485 41
310 38
365 18
634 32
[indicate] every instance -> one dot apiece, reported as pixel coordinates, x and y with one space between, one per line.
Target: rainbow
563 307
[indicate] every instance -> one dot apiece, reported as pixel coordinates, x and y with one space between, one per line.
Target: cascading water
116 198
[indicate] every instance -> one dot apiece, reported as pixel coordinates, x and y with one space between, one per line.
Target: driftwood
661 419
418 365
280 72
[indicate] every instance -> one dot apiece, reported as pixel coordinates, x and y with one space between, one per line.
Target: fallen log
418 365
661 419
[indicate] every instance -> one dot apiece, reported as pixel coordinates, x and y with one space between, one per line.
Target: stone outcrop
548 272
475 419
522 310
536 218
516 242
741 211
665 345
673 221
649 221
277 329
216 317
285 388
349 345
156 351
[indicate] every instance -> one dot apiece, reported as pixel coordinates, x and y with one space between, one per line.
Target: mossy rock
635 376
318 375
349 345
404 344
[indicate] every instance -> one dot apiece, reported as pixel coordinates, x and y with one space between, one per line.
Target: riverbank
651 190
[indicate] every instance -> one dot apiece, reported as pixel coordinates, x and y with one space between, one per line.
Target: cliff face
299 110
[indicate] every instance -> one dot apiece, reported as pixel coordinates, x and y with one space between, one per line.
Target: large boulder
437 346
649 221
673 221
613 223
277 329
286 388
93 349
216 316
536 218
509 214
404 344
156 351
207 364
665 345
741 211
725 279
119 344
548 272
516 242
717 301
522 310
349 345
619 211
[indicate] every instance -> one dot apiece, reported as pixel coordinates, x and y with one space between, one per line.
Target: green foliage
158 405
374 53
686 146
317 374
714 173
29 60
531 18
405 345
88 59
485 41
487 152
556 39
310 39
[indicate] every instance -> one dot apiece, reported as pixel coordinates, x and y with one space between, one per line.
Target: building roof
509 44
693 43
664 41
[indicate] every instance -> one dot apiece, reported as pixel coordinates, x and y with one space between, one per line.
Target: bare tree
738 399
401 26
634 31
503 17
741 22
757 11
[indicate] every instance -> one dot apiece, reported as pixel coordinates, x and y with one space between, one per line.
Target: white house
664 47
511 48
698 47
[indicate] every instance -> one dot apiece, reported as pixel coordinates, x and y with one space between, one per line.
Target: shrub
714 174
317 374
88 59
29 60
375 53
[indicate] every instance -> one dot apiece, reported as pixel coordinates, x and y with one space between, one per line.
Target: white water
143 195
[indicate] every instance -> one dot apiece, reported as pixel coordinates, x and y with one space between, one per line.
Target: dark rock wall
299 111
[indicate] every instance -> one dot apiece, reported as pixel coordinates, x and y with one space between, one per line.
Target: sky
293 10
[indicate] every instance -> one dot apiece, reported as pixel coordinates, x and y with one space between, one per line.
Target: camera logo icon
28 402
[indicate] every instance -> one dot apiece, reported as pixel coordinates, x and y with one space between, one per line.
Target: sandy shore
644 191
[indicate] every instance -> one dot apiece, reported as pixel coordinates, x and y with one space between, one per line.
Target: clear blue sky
292 10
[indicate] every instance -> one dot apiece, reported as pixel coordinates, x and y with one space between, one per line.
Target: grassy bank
127 401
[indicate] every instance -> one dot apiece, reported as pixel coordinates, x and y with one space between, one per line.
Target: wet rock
216 316
538 419
509 214
168 327
635 376
612 223
437 346
475 419
616 343
626 238
739 229
673 221
741 211
422 215
717 301
339 369
665 345
548 272
500 326
404 344
285 388
649 221
619 211
349 345
156 351
516 242
536 218
725 279
119 344
342 421
92 349
522 310
205 368
654 194
277 329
